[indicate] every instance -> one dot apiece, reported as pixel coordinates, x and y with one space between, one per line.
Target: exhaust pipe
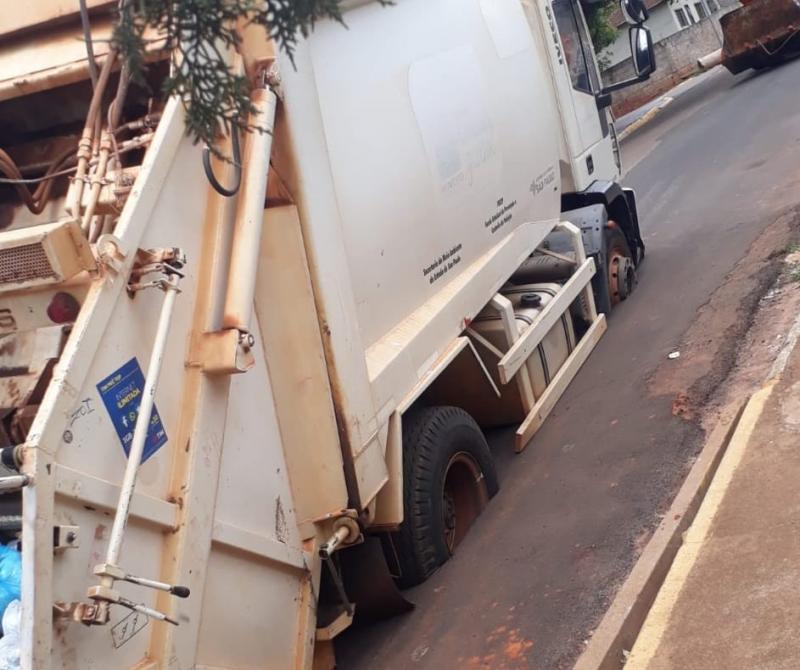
710 60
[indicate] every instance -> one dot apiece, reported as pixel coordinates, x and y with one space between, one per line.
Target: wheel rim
621 275
463 496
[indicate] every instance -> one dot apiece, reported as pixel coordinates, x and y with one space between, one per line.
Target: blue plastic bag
10 576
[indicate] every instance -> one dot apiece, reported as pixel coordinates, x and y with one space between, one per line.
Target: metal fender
459 367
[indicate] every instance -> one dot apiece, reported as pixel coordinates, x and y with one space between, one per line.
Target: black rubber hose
219 188
87 36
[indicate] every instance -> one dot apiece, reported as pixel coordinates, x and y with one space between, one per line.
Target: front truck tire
448 477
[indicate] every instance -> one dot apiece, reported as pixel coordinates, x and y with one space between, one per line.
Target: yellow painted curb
649 639
648 116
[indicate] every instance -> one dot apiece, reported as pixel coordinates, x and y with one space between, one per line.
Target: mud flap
370 584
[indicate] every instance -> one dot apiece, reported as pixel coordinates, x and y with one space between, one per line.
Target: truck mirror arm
607 90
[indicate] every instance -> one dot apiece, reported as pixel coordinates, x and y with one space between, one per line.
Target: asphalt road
541 565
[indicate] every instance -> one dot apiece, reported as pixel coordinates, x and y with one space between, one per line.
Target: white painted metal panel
248 588
253 461
247 552
94 447
436 140
425 167
123 642
242 588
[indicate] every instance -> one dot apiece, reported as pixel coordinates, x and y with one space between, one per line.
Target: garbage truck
243 399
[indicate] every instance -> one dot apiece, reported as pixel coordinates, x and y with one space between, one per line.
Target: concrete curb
643 120
626 615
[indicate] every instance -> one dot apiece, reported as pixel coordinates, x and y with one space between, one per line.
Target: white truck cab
590 164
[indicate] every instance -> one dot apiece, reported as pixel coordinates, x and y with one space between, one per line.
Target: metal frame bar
513 362
505 310
97 492
558 384
519 352
142 425
258 545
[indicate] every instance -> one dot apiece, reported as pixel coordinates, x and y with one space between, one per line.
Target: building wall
687 12
676 59
662 23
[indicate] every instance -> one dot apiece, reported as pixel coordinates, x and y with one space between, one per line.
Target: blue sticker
121 392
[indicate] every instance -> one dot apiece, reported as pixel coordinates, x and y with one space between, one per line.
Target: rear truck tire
448 477
617 279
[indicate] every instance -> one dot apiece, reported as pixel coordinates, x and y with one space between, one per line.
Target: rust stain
487 661
281 527
13 392
6 215
761 27
497 632
682 406
516 648
507 650
175 500
8 345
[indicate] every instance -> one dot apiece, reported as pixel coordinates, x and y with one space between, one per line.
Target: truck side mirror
634 11
642 55
644 61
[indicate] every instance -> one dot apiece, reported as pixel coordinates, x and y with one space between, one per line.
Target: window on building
701 10
712 5
682 20
689 15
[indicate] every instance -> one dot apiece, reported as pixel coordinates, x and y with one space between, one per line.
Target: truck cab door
588 130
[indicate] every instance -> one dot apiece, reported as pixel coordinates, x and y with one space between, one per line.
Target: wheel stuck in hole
448 477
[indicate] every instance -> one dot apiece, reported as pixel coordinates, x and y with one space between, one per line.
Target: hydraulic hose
237 165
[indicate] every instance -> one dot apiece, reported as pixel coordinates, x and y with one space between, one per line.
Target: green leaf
198 33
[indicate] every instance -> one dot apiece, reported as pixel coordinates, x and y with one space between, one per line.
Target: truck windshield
577 47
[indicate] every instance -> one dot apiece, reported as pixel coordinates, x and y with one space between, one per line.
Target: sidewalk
732 596
631 121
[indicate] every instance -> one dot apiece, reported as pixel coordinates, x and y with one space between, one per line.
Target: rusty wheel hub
463 497
621 276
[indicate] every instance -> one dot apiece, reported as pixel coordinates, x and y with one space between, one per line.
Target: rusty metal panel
760 33
38 13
